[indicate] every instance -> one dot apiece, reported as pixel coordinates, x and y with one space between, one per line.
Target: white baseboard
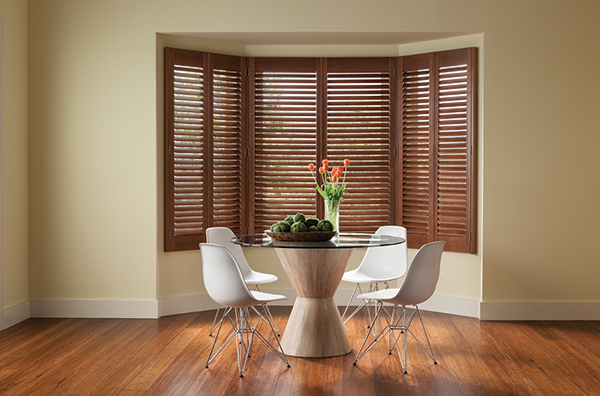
131 309
540 311
201 302
16 314
191 303
452 305
437 303
185 304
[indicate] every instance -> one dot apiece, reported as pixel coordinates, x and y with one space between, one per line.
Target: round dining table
315 269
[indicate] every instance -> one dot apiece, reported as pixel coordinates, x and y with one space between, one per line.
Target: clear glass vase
332 213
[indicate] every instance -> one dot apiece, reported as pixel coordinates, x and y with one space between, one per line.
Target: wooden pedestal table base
315 328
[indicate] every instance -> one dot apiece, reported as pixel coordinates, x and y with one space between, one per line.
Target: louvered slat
227 149
415 148
188 141
285 143
359 128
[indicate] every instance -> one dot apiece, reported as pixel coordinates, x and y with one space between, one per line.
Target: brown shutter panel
415 103
359 127
454 166
185 158
437 183
228 156
283 129
203 148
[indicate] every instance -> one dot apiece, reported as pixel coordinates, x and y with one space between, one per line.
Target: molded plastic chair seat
266 297
259 278
419 285
379 265
222 236
225 284
385 294
356 276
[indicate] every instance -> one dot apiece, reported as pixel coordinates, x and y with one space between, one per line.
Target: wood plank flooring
168 357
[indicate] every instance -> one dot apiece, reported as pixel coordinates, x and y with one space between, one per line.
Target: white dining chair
222 236
225 284
419 285
379 265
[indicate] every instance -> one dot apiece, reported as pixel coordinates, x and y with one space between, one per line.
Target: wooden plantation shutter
228 106
185 157
415 147
283 124
203 148
437 162
454 160
359 127
240 132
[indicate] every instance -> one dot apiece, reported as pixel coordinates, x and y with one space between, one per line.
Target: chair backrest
222 236
223 278
422 276
388 262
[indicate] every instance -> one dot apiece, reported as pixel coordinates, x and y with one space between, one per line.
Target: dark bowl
308 236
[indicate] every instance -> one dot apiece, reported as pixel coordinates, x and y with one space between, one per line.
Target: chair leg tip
354 364
434 362
241 375
289 366
405 372
206 366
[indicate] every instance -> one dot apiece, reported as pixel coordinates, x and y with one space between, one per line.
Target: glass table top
343 240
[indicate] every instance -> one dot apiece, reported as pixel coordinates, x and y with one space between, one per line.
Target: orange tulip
325 164
346 162
321 170
311 167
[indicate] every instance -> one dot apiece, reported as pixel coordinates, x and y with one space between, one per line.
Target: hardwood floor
167 357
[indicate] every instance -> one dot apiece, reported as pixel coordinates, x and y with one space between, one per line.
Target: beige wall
92 151
95 140
14 154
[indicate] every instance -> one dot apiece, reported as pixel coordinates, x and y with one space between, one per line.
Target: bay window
240 132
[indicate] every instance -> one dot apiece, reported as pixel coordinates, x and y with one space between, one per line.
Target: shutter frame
228 143
447 218
175 238
173 241
454 204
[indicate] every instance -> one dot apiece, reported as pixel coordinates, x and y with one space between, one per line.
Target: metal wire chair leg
374 323
405 340
431 355
272 322
212 357
269 315
280 351
360 353
214 323
349 302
